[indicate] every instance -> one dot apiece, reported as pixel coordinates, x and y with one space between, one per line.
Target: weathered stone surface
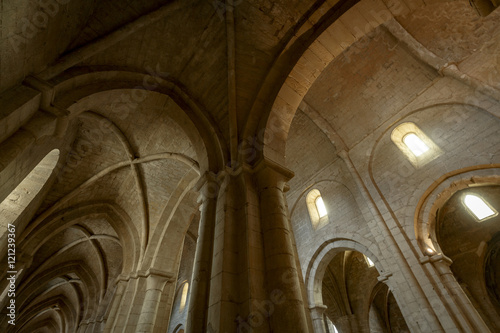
155 159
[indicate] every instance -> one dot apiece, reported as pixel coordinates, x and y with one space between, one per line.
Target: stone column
318 318
154 288
117 299
465 312
200 284
282 278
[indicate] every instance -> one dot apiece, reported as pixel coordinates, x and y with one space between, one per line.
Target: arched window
184 295
320 206
13 206
479 208
317 209
417 147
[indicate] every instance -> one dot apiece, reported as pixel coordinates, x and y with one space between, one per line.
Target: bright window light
184 296
416 145
331 327
369 262
320 205
478 207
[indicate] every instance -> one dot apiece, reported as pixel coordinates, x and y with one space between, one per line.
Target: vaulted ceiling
128 161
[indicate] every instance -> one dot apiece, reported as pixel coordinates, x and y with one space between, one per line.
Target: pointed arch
75 85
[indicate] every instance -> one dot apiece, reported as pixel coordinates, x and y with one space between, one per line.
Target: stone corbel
208 186
439 261
439 257
145 274
45 88
47 103
269 173
384 277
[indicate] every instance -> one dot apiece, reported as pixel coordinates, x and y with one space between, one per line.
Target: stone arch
203 132
426 224
437 195
417 191
416 224
302 62
323 256
170 235
60 316
85 309
158 253
383 312
35 236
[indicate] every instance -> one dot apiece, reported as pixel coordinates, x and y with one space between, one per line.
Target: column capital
156 282
270 172
384 277
437 258
156 276
440 262
208 185
318 309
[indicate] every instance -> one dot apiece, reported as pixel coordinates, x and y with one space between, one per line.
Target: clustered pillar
318 318
154 289
273 303
281 272
200 285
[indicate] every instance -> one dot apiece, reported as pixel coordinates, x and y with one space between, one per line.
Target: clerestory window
415 144
478 207
184 295
317 209
418 148
320 206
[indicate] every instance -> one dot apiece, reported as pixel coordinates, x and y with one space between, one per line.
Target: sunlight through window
317 209
320 205
369 262
416 145
184 296
331 327
479 207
